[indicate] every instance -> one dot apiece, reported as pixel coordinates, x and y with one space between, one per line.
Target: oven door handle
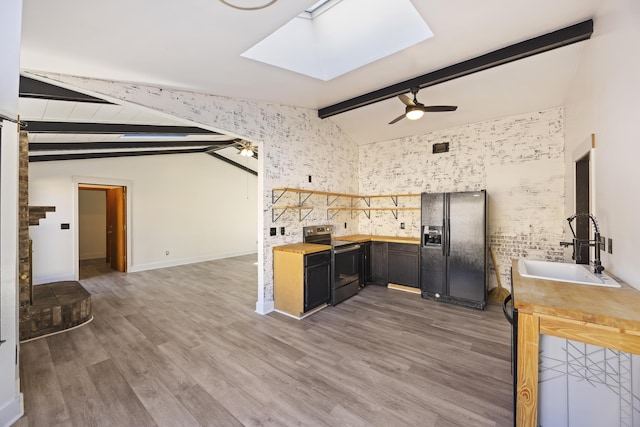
349 249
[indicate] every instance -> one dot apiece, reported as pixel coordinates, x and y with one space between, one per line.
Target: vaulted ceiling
196 45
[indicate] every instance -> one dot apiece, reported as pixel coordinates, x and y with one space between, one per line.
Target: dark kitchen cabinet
301 282
379 263
365 263
317 279
403 264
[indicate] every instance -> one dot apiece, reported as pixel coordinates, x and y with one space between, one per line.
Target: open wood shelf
303 196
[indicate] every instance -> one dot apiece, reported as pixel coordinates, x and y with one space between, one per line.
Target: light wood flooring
183 346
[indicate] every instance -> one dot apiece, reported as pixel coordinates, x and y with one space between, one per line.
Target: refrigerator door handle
448 236
443 238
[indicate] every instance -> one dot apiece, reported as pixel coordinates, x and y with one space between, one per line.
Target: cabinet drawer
317 258
404 247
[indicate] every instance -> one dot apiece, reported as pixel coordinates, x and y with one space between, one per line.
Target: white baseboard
11 411
184 261
264 307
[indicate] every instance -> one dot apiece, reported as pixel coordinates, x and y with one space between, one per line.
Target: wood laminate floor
183 346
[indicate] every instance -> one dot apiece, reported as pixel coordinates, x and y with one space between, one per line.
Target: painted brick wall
519 160
293 143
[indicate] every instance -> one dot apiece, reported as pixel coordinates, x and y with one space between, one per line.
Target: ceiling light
414 114
260 5
247 152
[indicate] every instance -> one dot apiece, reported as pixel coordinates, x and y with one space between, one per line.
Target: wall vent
442 147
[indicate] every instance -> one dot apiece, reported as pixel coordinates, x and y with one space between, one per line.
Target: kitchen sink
564 272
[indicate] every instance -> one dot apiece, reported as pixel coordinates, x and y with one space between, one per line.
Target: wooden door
116 228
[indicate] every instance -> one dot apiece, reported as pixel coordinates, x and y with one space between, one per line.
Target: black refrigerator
453 253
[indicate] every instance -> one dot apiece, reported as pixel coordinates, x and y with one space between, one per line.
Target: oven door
346 273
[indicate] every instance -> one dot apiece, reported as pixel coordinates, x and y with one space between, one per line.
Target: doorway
102 228
582 206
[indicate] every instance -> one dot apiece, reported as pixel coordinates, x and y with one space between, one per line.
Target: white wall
519 160
294 143
10 396
192 205
92 224
604 100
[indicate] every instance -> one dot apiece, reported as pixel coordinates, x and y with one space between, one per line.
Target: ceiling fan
415 109
245 148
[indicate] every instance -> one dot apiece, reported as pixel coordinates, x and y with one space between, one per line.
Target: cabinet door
379 263
317 285
365 275
404 264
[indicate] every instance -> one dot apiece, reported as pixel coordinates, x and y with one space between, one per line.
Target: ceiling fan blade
406 100
397 119
439 108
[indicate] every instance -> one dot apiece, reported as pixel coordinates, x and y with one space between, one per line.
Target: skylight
317 5
318 8
339 36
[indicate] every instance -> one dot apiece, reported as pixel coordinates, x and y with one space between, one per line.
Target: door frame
85 180
586 148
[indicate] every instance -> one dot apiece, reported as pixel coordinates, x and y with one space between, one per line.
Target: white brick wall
519 160
293 143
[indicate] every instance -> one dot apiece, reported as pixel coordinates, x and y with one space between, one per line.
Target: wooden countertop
361 238
302 248
618 308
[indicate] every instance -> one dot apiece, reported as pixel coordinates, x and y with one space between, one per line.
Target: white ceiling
196 45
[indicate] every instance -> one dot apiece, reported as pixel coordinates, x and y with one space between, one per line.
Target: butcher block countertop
302 248
612 307
606 317
309 248
361 238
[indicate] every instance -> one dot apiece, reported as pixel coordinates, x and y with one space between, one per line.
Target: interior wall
519 160
604 101
10 396
92 223
294 144
192 206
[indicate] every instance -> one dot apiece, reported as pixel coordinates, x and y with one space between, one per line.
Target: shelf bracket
307 214
367 200
394 199
329 216
356 212
275 217
274 198
330 202
395 213
301 200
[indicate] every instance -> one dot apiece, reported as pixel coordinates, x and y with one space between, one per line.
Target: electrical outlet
402 225
282 231
345 225
272 231
610 246
166 253
603 243
309 178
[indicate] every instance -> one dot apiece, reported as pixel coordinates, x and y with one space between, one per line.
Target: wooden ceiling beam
110 145
35 126
544 43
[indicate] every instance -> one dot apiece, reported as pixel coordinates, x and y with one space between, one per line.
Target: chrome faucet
579 243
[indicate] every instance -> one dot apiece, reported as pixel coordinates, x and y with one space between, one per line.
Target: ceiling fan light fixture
414 114
246 152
